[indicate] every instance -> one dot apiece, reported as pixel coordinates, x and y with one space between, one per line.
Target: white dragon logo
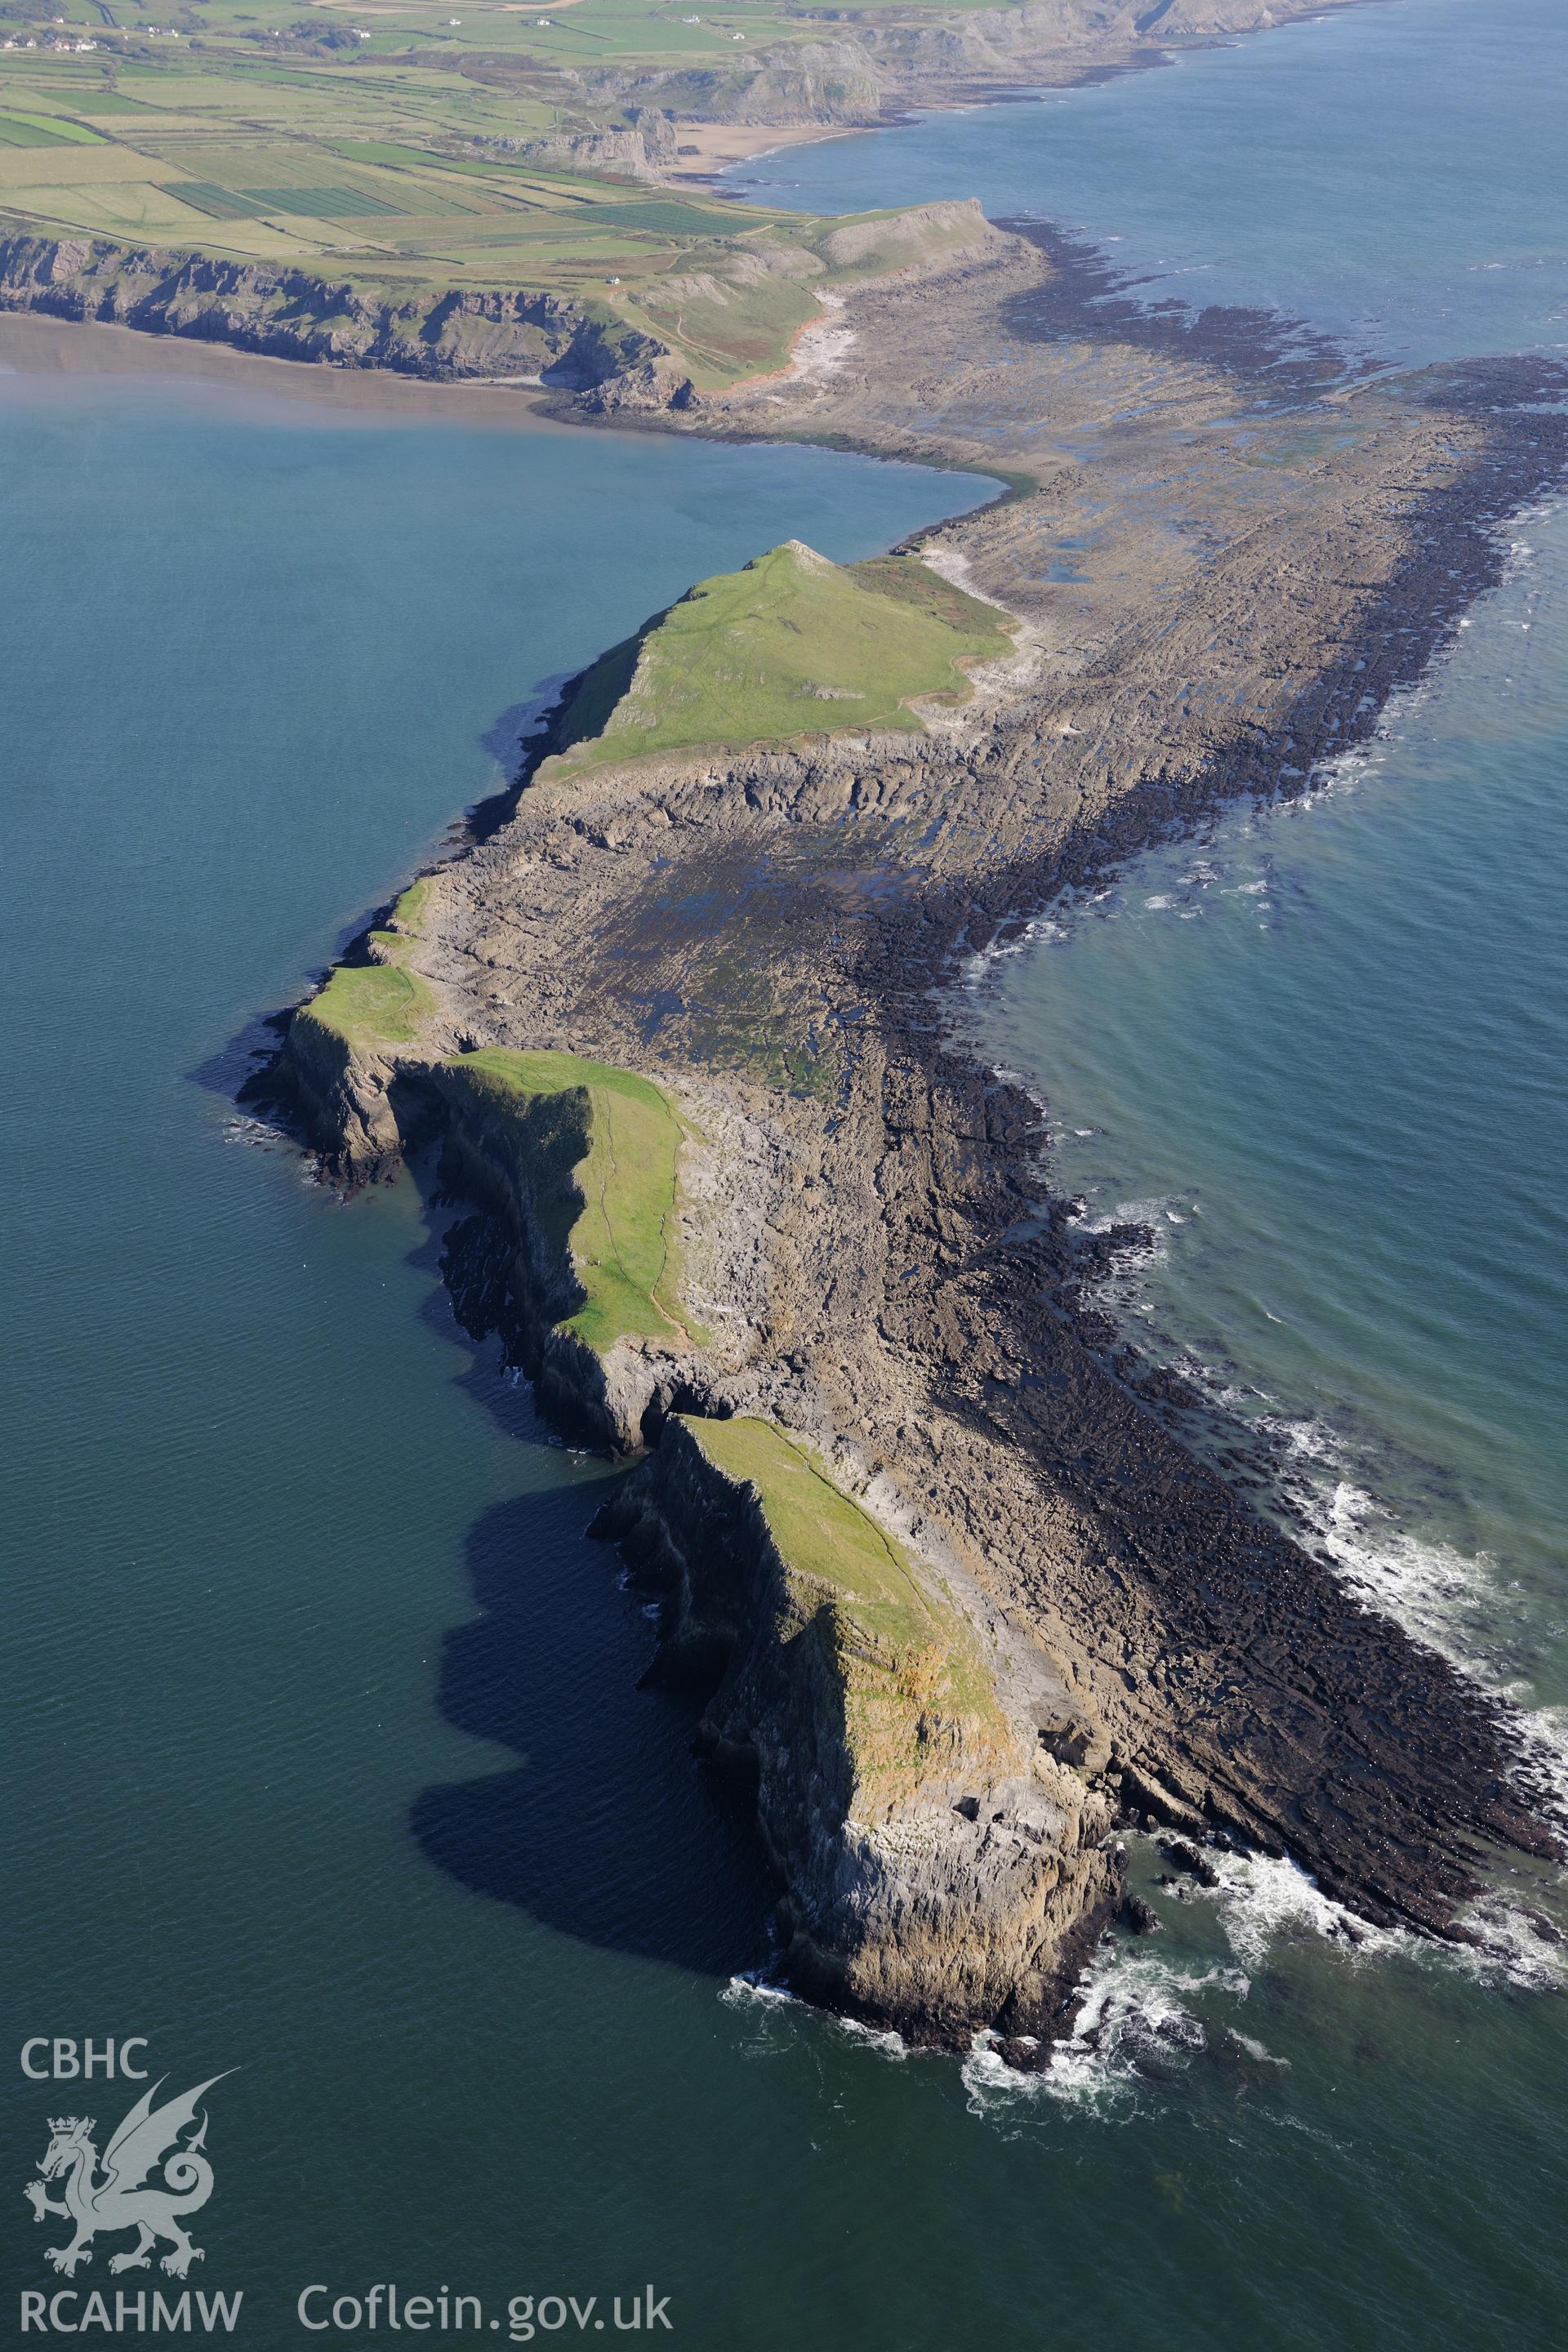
147 2138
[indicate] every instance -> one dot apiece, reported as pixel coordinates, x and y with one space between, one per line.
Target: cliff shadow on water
607 1828
603 1828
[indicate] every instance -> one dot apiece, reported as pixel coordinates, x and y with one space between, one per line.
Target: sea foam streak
1136 2021
1144 2018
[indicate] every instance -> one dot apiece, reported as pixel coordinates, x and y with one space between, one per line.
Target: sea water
327 1760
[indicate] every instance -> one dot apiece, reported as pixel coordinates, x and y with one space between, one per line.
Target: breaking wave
1138 2024
1146 2018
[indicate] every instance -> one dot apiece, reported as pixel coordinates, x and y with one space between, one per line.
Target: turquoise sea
326 1757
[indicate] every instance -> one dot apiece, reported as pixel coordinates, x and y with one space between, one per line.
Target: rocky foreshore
1265 546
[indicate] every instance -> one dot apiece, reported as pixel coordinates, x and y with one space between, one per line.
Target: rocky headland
580 353
677 1016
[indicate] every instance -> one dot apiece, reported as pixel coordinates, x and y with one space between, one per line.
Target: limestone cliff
528 1159
942 1871
344 1048
928 1783
339 1092
441 334
872 69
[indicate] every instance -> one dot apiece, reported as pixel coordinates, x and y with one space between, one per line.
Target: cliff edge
943 1871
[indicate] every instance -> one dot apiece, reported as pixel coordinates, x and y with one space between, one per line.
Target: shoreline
1072 1265
721 146
1200 1364
35 343
72 274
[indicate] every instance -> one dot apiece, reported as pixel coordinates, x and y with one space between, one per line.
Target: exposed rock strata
417 329
339 1097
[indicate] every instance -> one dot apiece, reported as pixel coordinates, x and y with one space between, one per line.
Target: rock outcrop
942 1871
646 147
519 1270
340 1096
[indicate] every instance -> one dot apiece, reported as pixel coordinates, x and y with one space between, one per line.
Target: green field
622 1237
380 144
791 646
371 1006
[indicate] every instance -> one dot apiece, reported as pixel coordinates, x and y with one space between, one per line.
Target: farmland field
401 145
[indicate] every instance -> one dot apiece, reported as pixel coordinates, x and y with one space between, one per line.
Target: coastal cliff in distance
442 335
506 216
859 72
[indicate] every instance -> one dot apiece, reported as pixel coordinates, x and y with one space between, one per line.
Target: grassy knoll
912 1679
622 1237
371 1006
408 149
791 646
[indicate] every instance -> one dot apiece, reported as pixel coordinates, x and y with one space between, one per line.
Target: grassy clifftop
913 1686
377 1005
818 1530
605 1180
791 646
